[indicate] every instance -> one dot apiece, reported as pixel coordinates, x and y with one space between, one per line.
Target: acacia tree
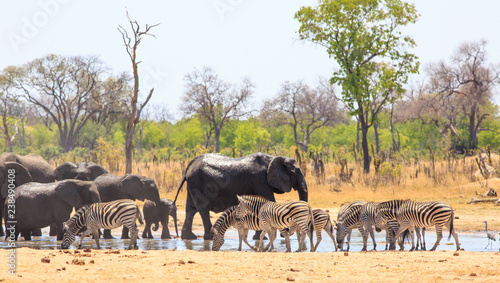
304 109
65 89
131 42
215 100
361 35
465 85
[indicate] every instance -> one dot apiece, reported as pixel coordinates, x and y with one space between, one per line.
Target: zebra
347 220
321 222
107 215
228 219
278 216
411 214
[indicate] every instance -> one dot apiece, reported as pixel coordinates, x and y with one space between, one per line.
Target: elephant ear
65 171
277 175
96 170
20 176
132 185
68 192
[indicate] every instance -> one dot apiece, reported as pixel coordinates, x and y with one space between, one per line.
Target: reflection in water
469 242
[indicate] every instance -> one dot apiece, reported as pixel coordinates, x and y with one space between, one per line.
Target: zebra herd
399 218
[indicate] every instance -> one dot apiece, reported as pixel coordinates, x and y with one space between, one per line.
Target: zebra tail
138 215
451 224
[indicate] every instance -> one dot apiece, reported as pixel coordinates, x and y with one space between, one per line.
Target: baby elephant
159 213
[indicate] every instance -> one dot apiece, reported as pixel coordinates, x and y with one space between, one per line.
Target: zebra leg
84 234
332 236
349 239
400 231
439 236
423 239
133 237
95 233
372 234
364 234
451 228
287 242
318 238
412 234
245 238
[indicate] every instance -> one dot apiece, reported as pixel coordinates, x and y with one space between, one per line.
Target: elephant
153 214
38 205
81 171
28 168
214 180
129 186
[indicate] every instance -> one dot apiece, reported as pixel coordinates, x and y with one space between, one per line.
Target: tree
304 109
467 83
66 90
215 100
131 43
9 105
365 39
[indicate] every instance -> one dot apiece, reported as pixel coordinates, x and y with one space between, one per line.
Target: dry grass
454 181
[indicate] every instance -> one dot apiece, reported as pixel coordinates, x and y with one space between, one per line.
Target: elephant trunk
156 225
175 222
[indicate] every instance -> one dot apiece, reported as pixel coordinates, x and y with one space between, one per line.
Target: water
469 242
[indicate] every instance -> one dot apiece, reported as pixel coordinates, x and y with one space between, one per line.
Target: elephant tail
179 189
138 215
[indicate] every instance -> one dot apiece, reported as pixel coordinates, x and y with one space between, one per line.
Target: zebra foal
276 216
107 215
411 214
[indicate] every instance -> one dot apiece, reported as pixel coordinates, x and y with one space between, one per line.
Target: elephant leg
107 234
59 231
53 230
165 233
125 233
26 235
145 232
187 227
207 224
36 233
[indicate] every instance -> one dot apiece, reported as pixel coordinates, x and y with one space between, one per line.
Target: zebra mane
225 220
77 217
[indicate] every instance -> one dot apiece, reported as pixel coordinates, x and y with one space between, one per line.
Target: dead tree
131 43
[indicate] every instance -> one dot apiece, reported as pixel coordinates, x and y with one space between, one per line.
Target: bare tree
466 85
131 42
304 109
215 100
65 89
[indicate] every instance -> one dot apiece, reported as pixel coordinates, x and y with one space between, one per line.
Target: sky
256 39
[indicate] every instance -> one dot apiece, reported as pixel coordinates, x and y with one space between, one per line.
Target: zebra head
342 231
69 236
244 207
218 239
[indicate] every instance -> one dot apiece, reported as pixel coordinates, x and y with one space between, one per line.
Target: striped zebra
347 220
278 216
228 219
107 215
322 222
367 219
411 214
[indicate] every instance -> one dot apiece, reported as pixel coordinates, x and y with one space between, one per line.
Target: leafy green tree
365 38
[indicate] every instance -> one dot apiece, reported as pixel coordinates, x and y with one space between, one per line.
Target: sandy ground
194 266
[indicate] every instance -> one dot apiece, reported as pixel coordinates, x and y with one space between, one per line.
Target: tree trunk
377 141
364 144
128 149
472 128
217 140
357 136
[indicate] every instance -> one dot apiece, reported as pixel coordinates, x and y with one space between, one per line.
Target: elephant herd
44 196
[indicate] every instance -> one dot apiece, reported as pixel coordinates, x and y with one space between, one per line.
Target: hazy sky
238 38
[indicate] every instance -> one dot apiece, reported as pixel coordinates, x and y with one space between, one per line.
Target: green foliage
250 136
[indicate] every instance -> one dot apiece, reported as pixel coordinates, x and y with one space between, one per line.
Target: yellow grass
452 182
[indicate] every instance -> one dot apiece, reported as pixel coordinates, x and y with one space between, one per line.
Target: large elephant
159 213
29 168
38 205
81 171
214 180
129 186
